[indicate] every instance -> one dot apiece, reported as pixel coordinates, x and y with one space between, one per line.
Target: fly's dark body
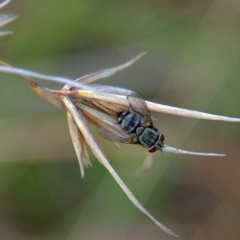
129 121
133 122
136 126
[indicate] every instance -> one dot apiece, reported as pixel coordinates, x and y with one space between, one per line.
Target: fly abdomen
129 121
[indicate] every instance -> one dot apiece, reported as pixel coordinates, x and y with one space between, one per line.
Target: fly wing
139 106
109 127
120 136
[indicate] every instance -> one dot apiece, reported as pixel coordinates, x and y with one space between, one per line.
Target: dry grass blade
4 3
4 33
7 18
108 72
98 118
86 91
142 170
156 107
122 100
40 90
180 151
79 144
23 72
78 83
93 144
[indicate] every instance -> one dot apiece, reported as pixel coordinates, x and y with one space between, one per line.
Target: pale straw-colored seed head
87 103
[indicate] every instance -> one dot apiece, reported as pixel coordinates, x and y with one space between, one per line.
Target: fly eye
161 137
152 149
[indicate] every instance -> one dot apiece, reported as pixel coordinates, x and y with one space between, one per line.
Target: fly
136 126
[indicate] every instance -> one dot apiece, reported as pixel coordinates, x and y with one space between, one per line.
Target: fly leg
141 171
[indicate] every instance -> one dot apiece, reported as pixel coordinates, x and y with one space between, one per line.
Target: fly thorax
147 136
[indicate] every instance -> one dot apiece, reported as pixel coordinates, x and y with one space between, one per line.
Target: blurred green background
192 62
